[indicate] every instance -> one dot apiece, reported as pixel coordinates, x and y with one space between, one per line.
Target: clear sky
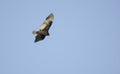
84 37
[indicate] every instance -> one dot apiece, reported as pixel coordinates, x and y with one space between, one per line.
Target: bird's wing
47 23
39 37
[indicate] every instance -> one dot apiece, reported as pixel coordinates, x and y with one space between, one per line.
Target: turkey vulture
44 29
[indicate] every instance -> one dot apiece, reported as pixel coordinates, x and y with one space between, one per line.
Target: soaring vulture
44 29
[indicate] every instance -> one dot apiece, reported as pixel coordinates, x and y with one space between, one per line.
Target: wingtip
35 41
52 14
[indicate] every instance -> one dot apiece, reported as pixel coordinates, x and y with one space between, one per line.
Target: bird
44 28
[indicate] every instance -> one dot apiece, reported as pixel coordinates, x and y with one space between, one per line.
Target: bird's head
34 32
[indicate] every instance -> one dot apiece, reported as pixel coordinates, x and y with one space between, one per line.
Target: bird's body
44 29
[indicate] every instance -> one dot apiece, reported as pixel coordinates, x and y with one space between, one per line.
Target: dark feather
39 37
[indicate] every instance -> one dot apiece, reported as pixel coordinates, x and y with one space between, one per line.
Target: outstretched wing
47 23
39 37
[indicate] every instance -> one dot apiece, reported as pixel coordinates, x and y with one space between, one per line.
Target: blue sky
84 37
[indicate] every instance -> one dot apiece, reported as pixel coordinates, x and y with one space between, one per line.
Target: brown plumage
44 29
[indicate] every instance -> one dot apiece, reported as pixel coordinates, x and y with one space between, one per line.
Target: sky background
84 37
